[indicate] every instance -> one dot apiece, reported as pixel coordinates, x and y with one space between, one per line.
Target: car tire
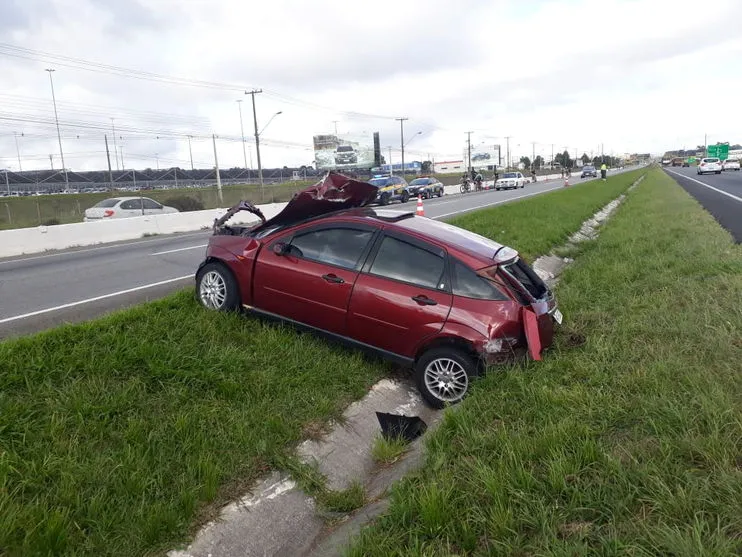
718 171
216 288
445 364
384 199
405 197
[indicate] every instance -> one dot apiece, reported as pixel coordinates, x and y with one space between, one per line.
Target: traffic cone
420 212
566 182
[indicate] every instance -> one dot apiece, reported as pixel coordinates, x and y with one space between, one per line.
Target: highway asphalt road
41 291
720 195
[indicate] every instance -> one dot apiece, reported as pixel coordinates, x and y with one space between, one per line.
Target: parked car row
395 188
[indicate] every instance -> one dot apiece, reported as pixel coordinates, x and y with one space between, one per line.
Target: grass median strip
118 435
536 225
628 438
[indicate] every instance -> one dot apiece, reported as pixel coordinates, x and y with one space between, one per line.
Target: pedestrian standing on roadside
603 171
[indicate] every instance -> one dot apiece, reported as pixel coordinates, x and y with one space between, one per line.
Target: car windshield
420 182
589 168
107 203
380 182
510 175
344 148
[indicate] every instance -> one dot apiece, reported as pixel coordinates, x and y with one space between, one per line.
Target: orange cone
566 182
420 212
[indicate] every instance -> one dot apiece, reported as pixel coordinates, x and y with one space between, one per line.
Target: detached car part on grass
439 299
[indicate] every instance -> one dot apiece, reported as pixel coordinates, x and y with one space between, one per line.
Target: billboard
334 152
483 156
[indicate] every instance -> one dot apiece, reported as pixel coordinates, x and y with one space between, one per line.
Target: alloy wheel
446 379
213 290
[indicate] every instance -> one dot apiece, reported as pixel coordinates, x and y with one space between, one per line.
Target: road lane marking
66 252
705 185
90 300
496 202
179 249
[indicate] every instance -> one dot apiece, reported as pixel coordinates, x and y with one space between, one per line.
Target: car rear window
107 203
527 278
345 148
469 284
710 160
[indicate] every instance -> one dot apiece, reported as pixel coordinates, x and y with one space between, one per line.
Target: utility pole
242 130
18 151
115 147
190 151
533 158
468 148
507 162
157 160
59 135
336 126
51 160
108 156
705 144
552 156
216 163
391 168
401 140
7 182
257 136
121 151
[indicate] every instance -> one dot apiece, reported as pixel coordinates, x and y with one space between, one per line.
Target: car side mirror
281 248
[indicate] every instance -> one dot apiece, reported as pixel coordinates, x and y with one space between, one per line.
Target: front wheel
384 200
443 375
405 197
464 188
217 288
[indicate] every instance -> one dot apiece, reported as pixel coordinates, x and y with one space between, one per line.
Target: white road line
66 252
89 300
179 249
496 202
705 185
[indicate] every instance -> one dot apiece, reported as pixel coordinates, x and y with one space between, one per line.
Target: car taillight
108 213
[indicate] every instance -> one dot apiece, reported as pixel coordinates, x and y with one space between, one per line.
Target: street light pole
18 151
115 147
401 140
190 151
257 135
59 135
242 131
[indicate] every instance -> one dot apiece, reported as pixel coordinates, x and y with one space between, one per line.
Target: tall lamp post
59 135
257 143
242 131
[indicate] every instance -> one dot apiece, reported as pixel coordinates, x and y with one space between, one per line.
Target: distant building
449 167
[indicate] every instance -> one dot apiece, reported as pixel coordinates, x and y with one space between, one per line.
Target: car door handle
333 278
424 300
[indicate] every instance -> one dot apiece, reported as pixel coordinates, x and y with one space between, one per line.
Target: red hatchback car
437 298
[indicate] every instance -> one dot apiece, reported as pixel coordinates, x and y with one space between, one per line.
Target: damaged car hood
333 193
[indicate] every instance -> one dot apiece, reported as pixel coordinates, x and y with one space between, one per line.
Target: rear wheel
443 375
718 171
384 199
217 288
405 196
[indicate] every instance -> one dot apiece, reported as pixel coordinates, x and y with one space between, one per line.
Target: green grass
535 226
388 451
116 433
119 436
627 438
24 212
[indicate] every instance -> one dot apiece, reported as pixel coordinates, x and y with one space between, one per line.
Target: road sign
720 151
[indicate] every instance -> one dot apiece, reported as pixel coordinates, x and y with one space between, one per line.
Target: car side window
130 204
336 246
149 204
399 260
469 284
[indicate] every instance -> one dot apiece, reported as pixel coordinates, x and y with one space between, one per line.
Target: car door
129 208
311 280
402 295
151 207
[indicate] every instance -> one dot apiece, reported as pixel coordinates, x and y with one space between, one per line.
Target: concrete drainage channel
280 519
550 266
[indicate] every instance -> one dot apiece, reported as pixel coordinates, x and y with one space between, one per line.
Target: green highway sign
720 151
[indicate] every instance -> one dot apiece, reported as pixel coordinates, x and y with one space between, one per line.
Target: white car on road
125 207
711 164
730 164
510 180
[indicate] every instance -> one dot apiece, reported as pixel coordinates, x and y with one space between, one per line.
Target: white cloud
632 75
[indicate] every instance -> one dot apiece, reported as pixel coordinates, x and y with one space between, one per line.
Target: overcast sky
633 75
